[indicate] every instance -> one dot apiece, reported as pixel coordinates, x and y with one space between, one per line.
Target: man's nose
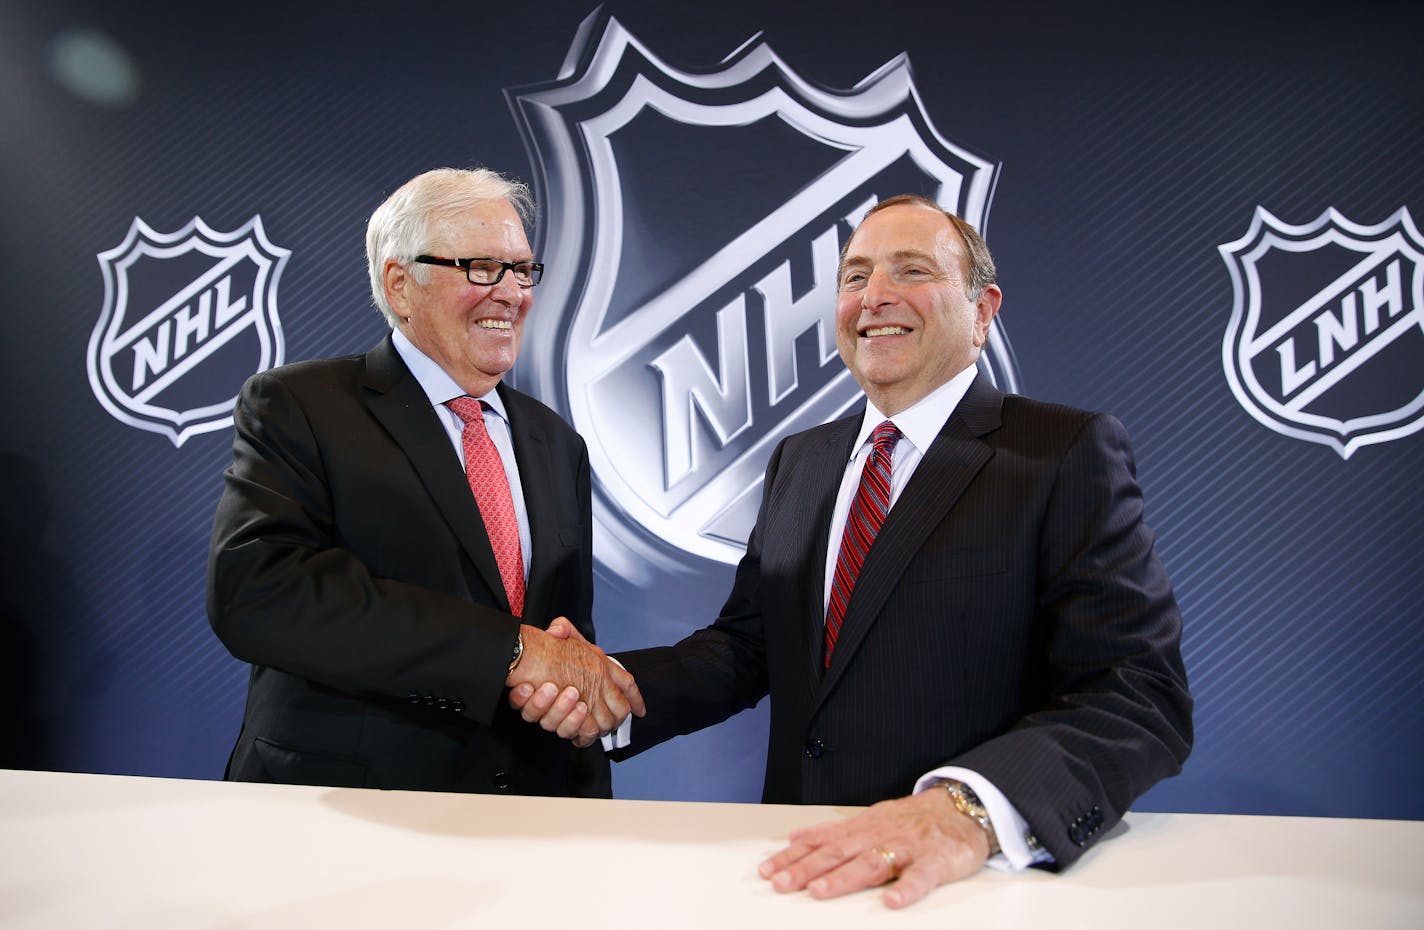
879 290
507 290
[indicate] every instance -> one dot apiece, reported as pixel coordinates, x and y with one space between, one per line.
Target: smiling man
951 598
398 528
916 297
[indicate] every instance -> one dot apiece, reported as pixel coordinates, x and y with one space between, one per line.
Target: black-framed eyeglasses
489 271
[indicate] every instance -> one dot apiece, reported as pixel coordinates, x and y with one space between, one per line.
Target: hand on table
570 686
921 840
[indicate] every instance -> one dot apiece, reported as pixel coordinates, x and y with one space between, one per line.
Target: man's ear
395 277
986 306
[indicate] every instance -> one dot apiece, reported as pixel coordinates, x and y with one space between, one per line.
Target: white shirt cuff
622 737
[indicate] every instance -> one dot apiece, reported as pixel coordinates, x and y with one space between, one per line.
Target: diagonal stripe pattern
867 513
485 471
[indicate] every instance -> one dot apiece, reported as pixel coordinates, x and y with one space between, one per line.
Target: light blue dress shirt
439 387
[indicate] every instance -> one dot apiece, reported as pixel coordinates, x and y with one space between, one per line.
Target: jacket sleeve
715 672
1118 714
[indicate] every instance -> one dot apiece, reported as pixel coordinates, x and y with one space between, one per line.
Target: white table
86 851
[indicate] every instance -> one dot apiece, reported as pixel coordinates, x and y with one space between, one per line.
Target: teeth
494 324
886 331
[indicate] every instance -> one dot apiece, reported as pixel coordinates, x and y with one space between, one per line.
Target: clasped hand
570 686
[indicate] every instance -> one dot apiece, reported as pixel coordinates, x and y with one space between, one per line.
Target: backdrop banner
1204 217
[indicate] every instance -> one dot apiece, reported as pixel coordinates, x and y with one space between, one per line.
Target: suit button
814 748
413 697
458 706
500 780
443 703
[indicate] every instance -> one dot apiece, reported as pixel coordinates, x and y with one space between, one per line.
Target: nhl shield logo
1326 338
695 221
187 317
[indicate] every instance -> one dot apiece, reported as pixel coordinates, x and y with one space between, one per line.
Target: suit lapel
396 399
948 467
819 480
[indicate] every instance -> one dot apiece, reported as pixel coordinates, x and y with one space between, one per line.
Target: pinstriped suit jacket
1012 617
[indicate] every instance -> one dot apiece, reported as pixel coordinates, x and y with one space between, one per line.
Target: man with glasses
397 529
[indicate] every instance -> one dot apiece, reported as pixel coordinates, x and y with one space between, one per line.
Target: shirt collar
435 381
921 422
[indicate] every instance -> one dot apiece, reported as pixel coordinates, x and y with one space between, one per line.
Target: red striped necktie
867 513
485 471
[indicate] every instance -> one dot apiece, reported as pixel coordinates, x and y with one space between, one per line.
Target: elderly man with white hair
398 529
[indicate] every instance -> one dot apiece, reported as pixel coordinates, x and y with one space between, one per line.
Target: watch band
968 803
518 649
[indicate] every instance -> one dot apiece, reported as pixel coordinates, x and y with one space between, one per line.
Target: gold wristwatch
968 803
518 650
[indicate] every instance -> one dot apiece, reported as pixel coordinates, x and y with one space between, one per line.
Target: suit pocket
287 766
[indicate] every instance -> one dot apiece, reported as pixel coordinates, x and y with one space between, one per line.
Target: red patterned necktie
867 513
485 472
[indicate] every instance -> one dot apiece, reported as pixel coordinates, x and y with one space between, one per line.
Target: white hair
400 227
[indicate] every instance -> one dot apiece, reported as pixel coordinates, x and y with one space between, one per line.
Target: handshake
570 686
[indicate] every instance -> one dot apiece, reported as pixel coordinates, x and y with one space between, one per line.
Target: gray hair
400 227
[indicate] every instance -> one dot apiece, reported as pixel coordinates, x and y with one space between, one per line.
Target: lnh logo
1326 338
1330 337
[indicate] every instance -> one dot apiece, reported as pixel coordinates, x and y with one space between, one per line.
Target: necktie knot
467 409
885 437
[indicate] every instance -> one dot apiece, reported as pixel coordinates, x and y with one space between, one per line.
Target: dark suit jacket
349 565
1011 617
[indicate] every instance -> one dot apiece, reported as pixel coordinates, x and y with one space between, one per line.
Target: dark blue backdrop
1123 146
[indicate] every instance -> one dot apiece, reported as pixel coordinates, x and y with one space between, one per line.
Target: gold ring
889 857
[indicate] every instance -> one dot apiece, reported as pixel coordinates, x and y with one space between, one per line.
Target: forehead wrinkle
487 221
896 257
901 255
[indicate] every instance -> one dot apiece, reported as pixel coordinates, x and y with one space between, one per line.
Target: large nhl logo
694 225
187 317
1326 338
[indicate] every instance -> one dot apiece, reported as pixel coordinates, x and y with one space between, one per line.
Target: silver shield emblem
187 317
695 221
1326 338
